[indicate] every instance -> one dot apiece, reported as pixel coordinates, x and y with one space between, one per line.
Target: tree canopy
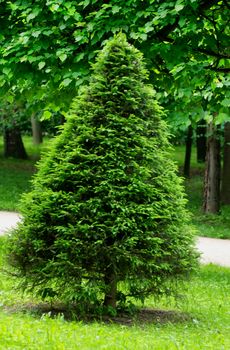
47 47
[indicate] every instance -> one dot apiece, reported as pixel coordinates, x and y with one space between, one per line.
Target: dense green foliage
46 47
106 205
12 116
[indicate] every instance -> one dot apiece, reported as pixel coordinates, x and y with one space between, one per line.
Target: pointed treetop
118 54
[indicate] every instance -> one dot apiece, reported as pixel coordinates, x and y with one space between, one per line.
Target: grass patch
178 155
14 180
198 320
15 174
207 225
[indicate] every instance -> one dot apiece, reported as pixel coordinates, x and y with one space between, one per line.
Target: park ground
197 319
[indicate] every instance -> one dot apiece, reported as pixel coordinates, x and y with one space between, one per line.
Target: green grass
204 301
15 178
178 155
15 174
209 225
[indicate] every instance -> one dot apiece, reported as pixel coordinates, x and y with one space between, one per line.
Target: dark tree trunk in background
201 140
225 188
212 172
13 145
111 289
36 130
188 152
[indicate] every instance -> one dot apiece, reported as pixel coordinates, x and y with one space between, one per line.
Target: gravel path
216 251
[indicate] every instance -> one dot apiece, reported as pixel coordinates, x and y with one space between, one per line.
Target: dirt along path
215 251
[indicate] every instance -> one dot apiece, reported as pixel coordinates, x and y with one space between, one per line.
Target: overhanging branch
227 4
212 53
165 31
219 69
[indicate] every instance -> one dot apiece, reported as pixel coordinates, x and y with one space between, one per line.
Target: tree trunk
110 298
13 144
212 172
36 130
201 141
225 188
188 152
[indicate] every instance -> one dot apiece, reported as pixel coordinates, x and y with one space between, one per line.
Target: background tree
47 45
12 121
201 140
36 130
225 190
211 202
107 207
188 151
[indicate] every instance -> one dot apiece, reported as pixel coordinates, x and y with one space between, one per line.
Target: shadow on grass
140 317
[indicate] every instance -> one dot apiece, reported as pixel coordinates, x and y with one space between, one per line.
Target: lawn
215 226
15 174
199 319
15 178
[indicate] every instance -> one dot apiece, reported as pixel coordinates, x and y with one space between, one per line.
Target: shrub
106 218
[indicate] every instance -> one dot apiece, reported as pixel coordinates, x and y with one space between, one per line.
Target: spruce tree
106 217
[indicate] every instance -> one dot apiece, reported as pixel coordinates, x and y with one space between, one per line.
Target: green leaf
10 98
6 71
226 102
36 33
62 26
78 37
79 57
54 7
66 82
63 57
115 9
30 16
179 7
221 118
47 32
86 3
2 80
46 115
41 65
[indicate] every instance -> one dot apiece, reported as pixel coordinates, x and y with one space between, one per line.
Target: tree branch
205 5
220 70
211 53
165 31
227 4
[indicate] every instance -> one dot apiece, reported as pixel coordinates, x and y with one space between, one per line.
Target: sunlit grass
178 156
204 300
15 174
209 225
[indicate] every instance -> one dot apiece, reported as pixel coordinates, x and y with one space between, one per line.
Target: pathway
213 250
8 220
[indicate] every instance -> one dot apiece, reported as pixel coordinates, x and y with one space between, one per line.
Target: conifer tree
106 217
